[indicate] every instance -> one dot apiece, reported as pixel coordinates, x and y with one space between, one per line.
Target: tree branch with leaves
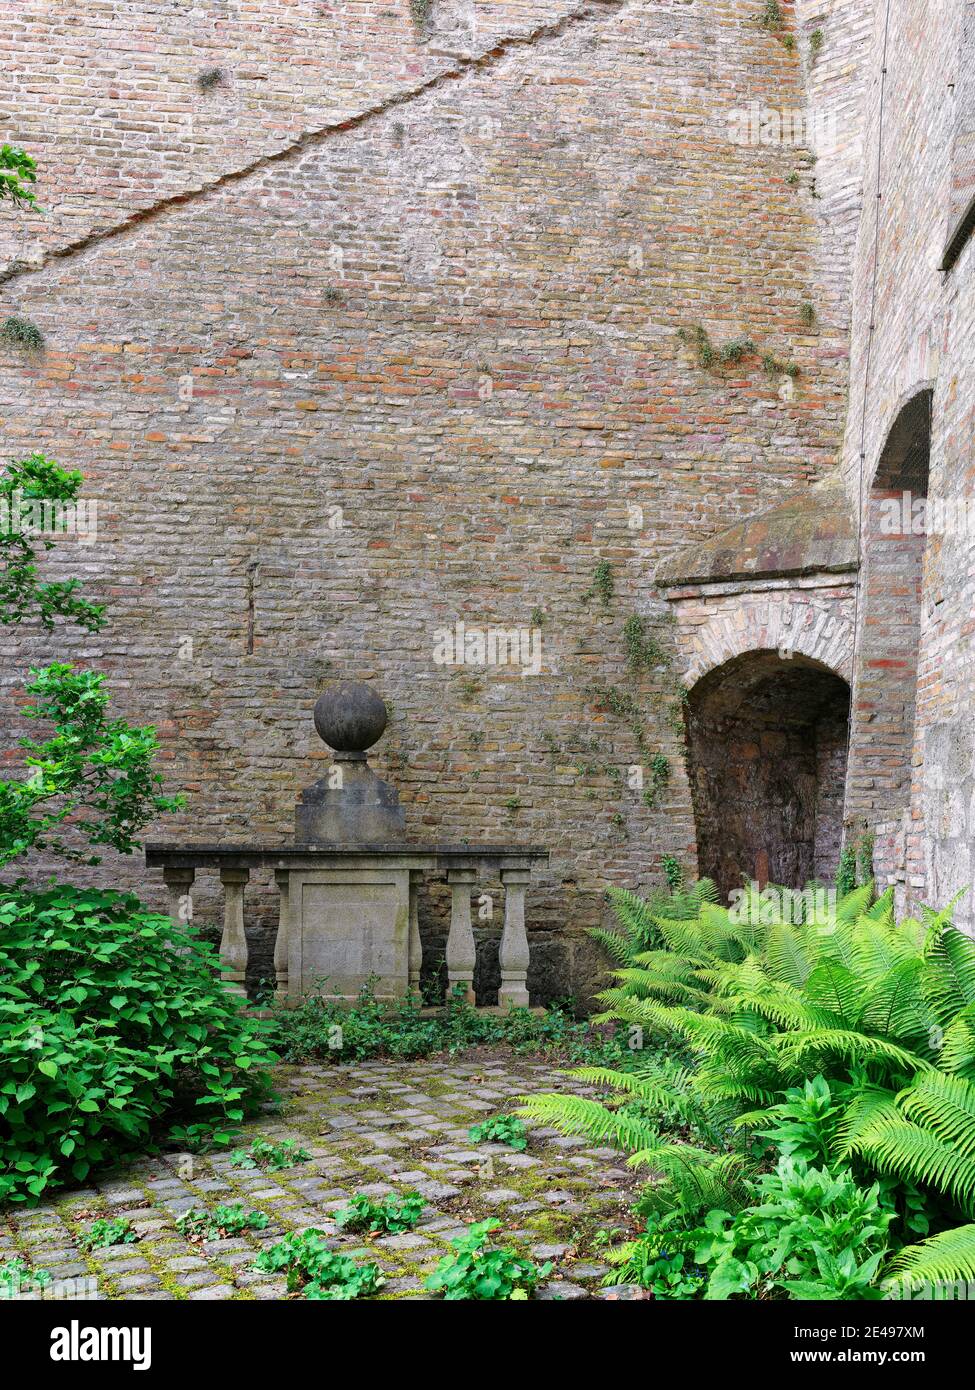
92 780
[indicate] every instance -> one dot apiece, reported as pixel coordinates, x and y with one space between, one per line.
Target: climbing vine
856 862
603 585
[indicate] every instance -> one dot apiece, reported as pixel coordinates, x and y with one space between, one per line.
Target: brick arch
807 629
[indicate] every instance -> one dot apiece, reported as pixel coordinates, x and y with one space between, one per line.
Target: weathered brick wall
454 318
922 334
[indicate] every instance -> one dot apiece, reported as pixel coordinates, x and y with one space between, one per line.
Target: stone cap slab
436 858
811 532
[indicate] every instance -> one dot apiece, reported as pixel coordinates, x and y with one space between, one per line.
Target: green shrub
391 1214
18 332
17 1278
476 1271
804 1124
113 1023
316 1270
18 172
661 1260
502 1129
603 584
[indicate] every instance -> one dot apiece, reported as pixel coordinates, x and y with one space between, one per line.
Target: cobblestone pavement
375 1127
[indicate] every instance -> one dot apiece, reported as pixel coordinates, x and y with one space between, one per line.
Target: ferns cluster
883 1011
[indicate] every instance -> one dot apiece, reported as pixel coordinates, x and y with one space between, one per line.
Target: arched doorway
767 745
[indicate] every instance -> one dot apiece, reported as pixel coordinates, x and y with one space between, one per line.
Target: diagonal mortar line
595 10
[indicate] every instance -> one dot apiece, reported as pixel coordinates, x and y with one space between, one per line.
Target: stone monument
349 884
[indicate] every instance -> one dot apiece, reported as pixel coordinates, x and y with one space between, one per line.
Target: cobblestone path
375 1127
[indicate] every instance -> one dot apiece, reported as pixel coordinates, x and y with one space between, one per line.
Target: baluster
282 940
179 884
513 955
416 946
461 954
233 943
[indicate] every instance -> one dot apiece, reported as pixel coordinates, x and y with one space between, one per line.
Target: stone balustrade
353 908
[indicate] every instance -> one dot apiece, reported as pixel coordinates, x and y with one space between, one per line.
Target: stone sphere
350 717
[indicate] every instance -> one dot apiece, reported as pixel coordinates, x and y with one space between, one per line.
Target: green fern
884 1011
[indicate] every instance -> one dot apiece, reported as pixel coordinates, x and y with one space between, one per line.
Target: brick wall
921 335
433 297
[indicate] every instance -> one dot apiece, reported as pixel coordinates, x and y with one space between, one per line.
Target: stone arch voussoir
791 628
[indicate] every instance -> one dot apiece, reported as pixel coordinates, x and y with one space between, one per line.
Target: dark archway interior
767 753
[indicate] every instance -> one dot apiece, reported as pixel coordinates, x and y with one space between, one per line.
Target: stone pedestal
349 806
347 927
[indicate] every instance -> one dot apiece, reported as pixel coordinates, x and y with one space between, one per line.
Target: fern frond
945 1105
578 1115
786 955
683 936
868 1112
836 989
958 1045
882 911
634 916
894 1006
705 890
948 1258
695 1180
854 904
948 979
618 947
853 1047
879 950
790 1009
666 1091
916 1155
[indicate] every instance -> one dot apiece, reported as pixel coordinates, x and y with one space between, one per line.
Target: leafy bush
502 1129
265 1154
103 1232
391 1214
804 1124
312 1267
113 1021
477 1272
811 1235
225 1220
661 1260
19 332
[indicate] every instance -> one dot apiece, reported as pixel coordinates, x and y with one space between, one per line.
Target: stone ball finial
350 717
